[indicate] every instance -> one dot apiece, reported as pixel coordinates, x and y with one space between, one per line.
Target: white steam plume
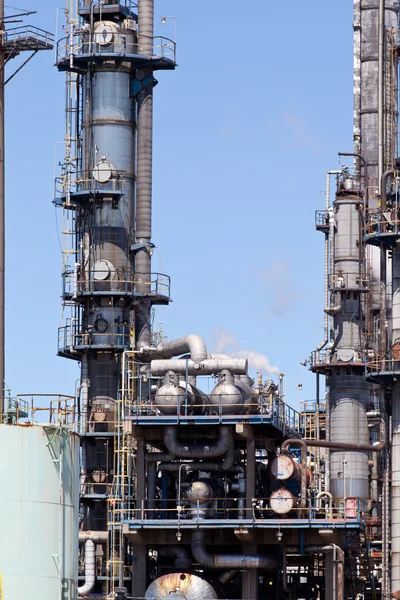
228 342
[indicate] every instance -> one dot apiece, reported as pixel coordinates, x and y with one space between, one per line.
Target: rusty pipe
303 486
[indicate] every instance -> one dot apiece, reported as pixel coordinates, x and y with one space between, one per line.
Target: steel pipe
184 450
236 366
192 344
303 485
90 577
228 561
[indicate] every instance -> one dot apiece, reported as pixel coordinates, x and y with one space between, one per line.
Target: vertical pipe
357 88
381 83
2 215
144 178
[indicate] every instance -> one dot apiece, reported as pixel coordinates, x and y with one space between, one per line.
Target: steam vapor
228 342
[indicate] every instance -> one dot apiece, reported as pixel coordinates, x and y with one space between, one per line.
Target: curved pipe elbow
90 577
221 446
192 344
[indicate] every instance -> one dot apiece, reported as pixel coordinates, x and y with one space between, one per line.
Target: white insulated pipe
326 261
90 577
192 344
236 366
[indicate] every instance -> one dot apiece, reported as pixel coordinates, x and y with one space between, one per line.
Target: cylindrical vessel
284 467
282 501
226 397
39 504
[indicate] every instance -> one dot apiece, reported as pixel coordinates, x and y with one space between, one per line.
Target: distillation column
107 191
348 389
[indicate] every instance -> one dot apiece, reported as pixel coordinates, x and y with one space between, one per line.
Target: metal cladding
39 498
236 366
367 109
347 284
349 470
182 586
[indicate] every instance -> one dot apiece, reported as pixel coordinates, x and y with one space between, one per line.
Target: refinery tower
145 486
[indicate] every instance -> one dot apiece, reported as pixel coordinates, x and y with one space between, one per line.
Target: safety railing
85 45
320 358
54 409
310 406
83 181
184 407
28 36
322 220
93 487
93 282
72 337
378 365
342 281
130 4
379 221
234 508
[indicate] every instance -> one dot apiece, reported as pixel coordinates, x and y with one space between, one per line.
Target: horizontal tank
39 504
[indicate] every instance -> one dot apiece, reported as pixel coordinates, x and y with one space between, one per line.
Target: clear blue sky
245 130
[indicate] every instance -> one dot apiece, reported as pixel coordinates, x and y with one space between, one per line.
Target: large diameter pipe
144 180
98 537
146 26
228 561
184 450
381 88
192 344
236 366
357 88
90 576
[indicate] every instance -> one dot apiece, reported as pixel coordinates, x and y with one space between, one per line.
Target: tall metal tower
109 55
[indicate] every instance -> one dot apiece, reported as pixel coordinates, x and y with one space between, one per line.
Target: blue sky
245 131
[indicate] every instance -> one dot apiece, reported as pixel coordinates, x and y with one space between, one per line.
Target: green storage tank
39 512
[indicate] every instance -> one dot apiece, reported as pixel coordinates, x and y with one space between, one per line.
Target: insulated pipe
237 366
219 448
144 180
383 183
84 392
146 26
326 261
303 485
357 87
228 561
330 498
98 537
212 467
381 88
90 578
192 344
377 447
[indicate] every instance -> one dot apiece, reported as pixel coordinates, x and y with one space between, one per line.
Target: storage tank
39 504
